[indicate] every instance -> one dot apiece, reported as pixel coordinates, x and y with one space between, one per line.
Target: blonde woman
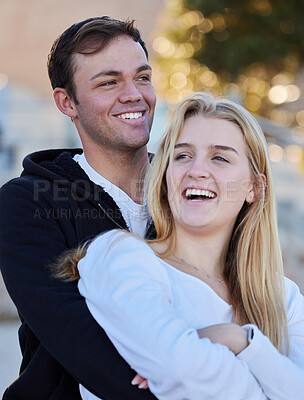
203 311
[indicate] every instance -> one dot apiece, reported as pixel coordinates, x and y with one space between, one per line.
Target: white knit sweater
151 311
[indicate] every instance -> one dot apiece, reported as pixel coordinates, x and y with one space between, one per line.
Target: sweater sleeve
281 377
57 326
128 292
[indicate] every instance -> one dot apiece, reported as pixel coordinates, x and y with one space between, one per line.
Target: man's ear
65 104
257 189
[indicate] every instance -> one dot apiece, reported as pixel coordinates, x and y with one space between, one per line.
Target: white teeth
199 192
131 115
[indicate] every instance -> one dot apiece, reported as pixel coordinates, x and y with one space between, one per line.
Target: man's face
116 99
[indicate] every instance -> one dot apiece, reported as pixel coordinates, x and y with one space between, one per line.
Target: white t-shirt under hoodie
136 215
151 312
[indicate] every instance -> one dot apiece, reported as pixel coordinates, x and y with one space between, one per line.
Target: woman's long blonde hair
254 268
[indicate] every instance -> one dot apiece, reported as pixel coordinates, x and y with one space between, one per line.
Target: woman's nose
199 169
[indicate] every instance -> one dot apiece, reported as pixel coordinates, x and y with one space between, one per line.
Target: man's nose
130 93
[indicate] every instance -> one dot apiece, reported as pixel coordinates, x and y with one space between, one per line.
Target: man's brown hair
86 37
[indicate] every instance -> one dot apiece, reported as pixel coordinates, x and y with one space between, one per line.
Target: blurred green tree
251 49
250 31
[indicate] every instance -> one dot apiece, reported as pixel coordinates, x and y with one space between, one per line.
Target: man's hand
140 381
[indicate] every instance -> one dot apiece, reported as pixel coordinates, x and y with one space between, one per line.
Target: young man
101 79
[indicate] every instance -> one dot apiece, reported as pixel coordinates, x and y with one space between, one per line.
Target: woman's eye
220 158
181 156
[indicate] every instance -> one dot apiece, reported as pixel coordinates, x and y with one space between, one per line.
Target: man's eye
108 83
144 78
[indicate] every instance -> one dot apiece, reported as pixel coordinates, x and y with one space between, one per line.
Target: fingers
140 381
137 380
144 385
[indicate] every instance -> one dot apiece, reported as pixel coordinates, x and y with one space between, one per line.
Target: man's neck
125 170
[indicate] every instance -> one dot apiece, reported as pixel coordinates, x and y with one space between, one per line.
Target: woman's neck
202 256
206 252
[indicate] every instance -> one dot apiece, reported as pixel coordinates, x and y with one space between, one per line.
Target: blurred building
28 123
28 29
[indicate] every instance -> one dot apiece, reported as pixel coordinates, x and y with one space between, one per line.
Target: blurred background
251 51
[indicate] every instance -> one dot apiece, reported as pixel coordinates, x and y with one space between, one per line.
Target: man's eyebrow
106 73
144 67
112 72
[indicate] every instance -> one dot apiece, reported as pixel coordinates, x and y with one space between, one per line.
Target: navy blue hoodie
52 207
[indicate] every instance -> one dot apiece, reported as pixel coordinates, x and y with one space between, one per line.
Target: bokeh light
178 80
294 153
276 152
300 117
3 80
293 93
278 94
283 117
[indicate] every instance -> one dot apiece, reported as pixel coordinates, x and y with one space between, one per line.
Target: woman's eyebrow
212 146
223 147
179 145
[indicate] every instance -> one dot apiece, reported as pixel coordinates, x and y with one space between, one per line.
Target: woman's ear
250 198
257 189
64 102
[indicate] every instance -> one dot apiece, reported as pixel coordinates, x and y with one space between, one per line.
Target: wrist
247 339
241 341
250 335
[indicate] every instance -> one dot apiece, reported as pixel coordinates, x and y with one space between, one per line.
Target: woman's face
209 178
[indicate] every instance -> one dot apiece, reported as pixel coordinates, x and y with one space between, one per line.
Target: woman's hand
140 381
231 335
